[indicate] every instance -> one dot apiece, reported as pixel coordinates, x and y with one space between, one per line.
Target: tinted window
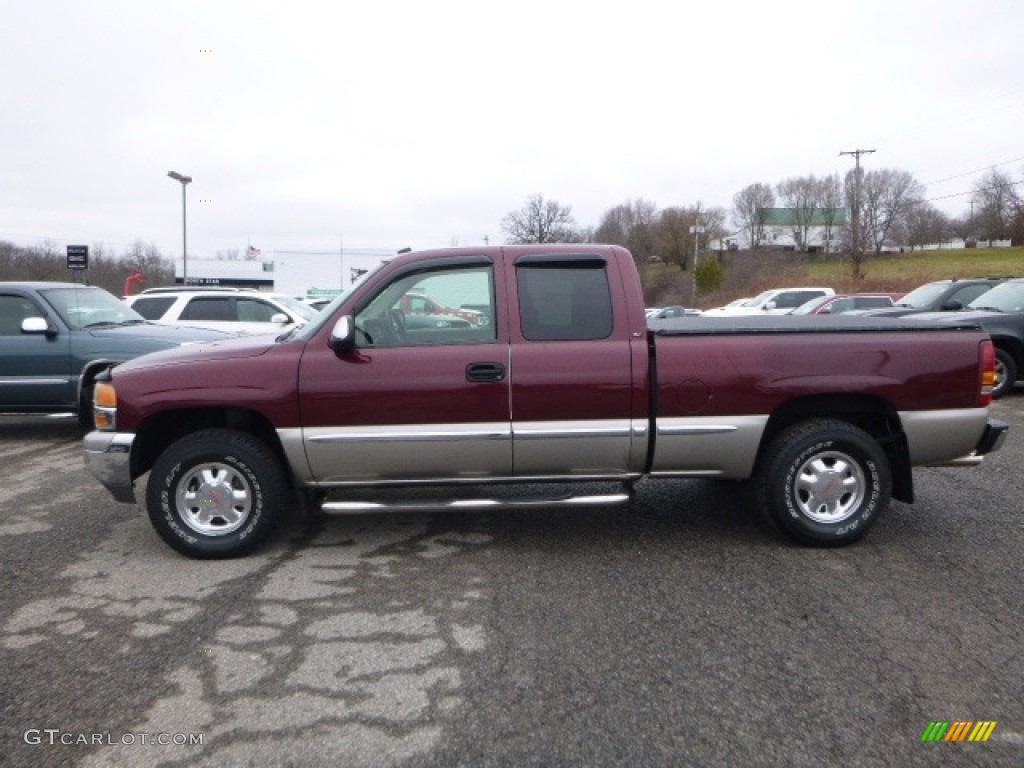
14 309
560 302
216 308
866 302
969 293
791 299
153 308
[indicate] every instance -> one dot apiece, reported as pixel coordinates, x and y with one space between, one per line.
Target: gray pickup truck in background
55 338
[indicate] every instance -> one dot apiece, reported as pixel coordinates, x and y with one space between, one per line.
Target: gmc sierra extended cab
568 384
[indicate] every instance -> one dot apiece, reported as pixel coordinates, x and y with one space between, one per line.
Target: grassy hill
747 274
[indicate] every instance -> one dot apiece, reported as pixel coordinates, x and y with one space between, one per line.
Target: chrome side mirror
343 335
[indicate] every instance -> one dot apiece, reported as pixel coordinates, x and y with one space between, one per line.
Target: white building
302 274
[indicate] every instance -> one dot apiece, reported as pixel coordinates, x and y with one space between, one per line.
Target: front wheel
215 493
824 482
1006 373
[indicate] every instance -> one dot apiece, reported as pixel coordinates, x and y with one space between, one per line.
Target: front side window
562 301
438 306
14 309
256 311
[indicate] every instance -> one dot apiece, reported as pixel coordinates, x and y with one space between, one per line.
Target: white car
778 301
235 310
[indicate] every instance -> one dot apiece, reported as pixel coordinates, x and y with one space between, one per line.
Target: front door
34 367
422 396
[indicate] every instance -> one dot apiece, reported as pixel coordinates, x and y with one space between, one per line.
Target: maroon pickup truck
567 384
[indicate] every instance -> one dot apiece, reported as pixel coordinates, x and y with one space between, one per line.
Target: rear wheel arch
874 415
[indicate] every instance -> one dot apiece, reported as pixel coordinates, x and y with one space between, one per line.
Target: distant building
301 274
784 229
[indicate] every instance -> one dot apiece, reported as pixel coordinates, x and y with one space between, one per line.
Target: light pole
185 180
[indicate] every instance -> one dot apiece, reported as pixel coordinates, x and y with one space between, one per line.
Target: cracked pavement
680 630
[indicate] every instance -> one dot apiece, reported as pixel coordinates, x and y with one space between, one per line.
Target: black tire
187 494
1006 373
85 408
797 476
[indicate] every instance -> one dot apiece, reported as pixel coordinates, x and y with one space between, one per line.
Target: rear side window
791 299
153 308
209 308
564 301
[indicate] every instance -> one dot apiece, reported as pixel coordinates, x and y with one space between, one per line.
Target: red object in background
132 281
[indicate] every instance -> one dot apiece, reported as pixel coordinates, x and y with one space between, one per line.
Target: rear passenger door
571 367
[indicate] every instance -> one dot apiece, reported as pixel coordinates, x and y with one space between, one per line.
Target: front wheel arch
1006 373
216 493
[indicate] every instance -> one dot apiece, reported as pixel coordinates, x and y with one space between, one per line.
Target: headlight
104 406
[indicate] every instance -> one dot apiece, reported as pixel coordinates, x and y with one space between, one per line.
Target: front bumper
108 457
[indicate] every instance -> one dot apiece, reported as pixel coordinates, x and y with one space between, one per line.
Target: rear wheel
215 493
824 482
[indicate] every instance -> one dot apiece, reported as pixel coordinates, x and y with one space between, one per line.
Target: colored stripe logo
958 730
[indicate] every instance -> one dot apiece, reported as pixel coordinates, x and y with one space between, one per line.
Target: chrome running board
365 507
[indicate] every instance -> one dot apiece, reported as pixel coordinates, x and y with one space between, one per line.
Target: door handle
485 372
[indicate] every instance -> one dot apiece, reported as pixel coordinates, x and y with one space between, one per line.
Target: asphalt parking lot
678 631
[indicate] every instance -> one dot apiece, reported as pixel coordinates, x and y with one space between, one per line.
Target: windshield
1008 297
807 307
758 300
923 296
297 307
90 307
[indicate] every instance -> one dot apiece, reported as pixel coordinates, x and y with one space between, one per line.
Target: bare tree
672 236
922 224
540 221
996 203
886 195
830 203
632 225
749 206
801 195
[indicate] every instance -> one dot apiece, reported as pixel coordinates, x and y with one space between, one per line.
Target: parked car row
56 337
994 303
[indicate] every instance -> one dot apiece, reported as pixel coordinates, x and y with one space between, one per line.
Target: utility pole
857 255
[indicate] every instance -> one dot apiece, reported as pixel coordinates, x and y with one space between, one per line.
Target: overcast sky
380 125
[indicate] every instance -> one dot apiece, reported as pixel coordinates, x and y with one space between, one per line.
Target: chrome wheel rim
214 499
829 487
1000 374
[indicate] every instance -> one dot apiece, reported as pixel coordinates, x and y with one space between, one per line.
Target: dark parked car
939 296
1000 312
55 338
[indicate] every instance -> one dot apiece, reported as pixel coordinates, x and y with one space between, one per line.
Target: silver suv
235 310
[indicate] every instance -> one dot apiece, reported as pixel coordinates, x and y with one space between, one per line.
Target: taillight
987 360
